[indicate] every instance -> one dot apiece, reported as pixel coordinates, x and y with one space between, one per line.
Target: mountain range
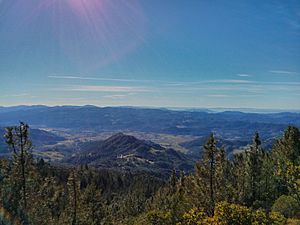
131 138
147 120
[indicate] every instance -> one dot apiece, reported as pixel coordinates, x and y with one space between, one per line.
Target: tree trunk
23 168
212 200
74 222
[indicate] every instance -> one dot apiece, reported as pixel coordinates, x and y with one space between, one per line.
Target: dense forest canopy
257 186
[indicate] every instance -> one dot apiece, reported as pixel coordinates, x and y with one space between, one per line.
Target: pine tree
17 138
255 167
224 177
209 159
286 155
173 181
73 190
288 147
240 175
93 212
268 181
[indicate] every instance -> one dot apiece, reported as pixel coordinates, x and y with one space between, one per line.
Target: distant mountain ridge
234 129
148 120
189 109
126 152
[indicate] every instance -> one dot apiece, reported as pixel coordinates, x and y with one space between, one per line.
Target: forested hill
126 152
255 187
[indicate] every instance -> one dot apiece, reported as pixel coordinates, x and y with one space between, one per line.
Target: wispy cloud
115 96
233 81
221 81
237 88
157 82
100 88
69 99
244 75
98 79
168 83
218 96
16 95
283 72
233 96
212 88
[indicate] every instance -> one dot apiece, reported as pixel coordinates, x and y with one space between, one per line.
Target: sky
170 53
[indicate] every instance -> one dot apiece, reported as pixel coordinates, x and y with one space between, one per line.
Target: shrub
232 214
276 218
194 217
286 205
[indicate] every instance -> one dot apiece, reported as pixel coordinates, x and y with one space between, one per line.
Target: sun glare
108 30
86 7
90 33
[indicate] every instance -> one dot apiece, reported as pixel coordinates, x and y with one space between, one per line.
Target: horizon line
157 107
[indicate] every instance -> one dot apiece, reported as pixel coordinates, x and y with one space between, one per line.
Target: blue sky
176 53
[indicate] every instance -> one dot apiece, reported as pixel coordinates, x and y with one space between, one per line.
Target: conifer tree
240 178
73 186
173 181
288 147
268 181
93 212
17 138
255 167
209 159
224 177
286 153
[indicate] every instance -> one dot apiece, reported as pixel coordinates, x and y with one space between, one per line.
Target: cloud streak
244 75
168 83
16 95
98 79
221 81
218 96
115 96
214 88
101 88
283 72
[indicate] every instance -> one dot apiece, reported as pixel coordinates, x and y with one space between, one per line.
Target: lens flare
107 29
90 33
85 7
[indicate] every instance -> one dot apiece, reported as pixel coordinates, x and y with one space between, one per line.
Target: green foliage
232 214
194 217
276 219
293 222
255 159
221 191
288 147
286 153
155 217
287 206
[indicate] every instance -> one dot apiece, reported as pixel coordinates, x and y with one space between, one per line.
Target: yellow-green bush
195 217
227 213
232 214
293 222
276 218
286 205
